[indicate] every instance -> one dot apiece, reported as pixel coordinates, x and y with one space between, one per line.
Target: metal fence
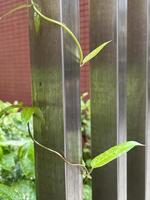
120 94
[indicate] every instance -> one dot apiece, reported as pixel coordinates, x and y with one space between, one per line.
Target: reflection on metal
71 92
53 65
147 139
121 95
120 90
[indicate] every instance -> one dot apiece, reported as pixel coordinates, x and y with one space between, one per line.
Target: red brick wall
84 40
15 82
14 54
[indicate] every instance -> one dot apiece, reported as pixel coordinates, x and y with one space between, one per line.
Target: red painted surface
15 81
14 54
84 40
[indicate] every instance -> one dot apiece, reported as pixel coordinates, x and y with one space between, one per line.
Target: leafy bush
86 141
17 151
17 174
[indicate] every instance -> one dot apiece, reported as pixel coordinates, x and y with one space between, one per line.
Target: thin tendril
56 153
35 5
81 60
61 25
16 9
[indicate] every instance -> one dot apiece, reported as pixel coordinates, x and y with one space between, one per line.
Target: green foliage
87 192
11 126
17 174
86 141
28 112
26 158
113 153
21 190
26 189
7 193
85 115
17 151
95 52
86 128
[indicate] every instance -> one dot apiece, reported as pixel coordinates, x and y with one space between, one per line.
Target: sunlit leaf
113 153
94 52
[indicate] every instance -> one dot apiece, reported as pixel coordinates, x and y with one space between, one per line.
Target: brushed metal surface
71 88
147 139
121 95
56 92
104 95
136 96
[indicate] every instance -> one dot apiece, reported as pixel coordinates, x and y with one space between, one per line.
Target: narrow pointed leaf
94 53
113 153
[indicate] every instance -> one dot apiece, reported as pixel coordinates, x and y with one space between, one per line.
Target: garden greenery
17 173
27 112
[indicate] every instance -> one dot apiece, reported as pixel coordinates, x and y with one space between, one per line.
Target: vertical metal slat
121 94
136 95
147 139
103 95
71 93
49 57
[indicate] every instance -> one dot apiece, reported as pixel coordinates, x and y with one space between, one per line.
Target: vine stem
35 5
56 153
61 25
16 9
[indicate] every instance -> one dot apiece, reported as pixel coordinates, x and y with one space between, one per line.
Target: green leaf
113 153
87 192
94 52
28 112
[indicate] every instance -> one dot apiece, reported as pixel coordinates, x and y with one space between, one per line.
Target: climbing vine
28 112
